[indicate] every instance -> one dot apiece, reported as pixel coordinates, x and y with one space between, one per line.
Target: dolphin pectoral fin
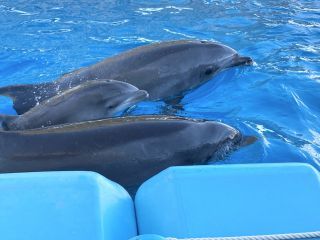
248 140
25 96
5 119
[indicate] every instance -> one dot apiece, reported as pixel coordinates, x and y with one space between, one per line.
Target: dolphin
88 101
163 69
127 150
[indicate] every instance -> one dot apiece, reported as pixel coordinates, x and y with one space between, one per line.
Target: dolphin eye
208 71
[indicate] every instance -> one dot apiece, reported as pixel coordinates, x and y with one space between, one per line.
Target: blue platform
64 205
180 202
230 200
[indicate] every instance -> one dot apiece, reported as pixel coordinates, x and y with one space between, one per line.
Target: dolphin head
118 96
216 140
212 57
122 102
97 99
223 139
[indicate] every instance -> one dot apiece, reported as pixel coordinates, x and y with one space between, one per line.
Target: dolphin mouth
234 61
241 61
129 100
134 97
237 60
137 96
247 61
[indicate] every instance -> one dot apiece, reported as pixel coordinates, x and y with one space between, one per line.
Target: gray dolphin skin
127 150
88 101
164 70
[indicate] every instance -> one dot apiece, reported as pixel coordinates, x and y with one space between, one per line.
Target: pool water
277 100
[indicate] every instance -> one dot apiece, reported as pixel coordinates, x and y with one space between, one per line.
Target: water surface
277 100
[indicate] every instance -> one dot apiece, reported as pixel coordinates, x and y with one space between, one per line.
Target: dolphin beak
128 100
241 61
236 60
137 96
244 61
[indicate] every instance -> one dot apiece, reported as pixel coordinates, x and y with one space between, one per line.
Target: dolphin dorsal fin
26 96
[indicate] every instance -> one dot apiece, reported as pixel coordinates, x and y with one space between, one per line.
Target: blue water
277 100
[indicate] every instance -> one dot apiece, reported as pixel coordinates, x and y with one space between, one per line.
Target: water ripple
15 10
171 9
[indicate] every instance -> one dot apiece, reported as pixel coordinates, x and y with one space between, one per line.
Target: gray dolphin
88 101
163 69
127 150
